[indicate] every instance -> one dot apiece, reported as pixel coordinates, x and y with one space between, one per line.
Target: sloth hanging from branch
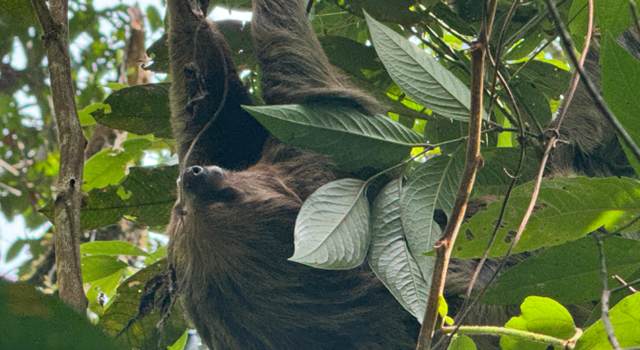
240 191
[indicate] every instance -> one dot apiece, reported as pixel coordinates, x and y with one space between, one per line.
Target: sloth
231 231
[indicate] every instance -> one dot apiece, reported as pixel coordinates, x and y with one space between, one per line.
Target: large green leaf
31 320
620 86
567 209
433 185
539 315
100 266
625 319
142 331
353 140
111 248
332 228
419 75
109 166
612 18
141 109
146 195
569 273
389 254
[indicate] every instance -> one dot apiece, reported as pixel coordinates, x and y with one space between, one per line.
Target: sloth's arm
201 72
294 67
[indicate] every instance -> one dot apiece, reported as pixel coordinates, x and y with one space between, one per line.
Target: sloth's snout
197 178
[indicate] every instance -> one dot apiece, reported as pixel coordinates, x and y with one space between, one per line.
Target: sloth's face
243 204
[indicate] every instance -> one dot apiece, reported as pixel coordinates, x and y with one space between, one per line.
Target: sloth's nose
195 170
197 178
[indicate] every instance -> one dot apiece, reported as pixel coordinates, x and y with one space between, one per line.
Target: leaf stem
516 333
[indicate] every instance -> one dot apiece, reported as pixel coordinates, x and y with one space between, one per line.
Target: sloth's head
247 206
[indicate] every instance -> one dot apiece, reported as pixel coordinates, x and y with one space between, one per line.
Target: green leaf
620 86
612 18
569 273
140 109
181 342
85 114
625 319
332 228
340 132
548 78
462 342
567 209
539 315
111 248
109 165
396 11
32 320
419 75
532 100
389 255
103 289
493 178
146 195
97 267
432 185
143 332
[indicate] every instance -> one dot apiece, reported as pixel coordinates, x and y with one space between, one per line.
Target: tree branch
68 198
444 245
606 293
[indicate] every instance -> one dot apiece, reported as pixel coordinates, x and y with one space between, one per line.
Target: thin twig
444 245
586 80
68 200
496 65
606 293
633 8
624 283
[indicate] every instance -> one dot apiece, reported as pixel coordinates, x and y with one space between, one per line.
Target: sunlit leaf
567 209
625 320
462 342
112 248
97 267
539 315
109 165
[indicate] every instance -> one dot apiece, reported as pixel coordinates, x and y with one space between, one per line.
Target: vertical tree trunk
68 197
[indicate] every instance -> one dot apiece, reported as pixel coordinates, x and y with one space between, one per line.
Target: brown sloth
240 192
